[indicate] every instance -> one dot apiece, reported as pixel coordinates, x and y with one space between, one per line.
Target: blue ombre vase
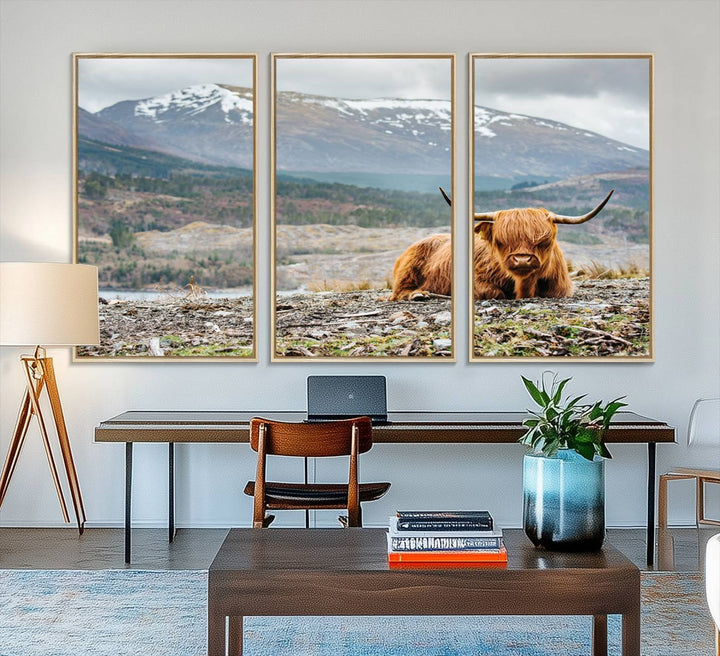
564 501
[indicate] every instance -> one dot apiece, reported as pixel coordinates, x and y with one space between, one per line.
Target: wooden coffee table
345 572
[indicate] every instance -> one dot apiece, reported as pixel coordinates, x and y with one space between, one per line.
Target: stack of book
438 537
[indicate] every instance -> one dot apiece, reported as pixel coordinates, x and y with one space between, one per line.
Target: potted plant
564 468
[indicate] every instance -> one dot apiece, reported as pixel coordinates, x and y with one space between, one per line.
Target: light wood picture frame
165 203
557 133
360 145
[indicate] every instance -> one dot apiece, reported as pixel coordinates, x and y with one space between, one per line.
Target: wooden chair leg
699 501
662 501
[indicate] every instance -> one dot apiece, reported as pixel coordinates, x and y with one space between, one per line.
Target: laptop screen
341 397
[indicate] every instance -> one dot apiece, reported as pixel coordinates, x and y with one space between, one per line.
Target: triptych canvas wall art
362 219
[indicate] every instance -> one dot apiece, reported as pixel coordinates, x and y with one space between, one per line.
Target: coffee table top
365 550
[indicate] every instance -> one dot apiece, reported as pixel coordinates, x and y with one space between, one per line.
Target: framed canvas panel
165 203
556 274
362 244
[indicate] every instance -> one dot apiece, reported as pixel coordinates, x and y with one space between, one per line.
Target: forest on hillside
124 191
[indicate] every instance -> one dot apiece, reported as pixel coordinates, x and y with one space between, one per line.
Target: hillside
626 216
209 123
159 204
318 135
515 145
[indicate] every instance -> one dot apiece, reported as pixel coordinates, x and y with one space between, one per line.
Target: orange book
450 557
447 565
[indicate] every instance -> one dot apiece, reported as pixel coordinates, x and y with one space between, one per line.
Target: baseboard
141 523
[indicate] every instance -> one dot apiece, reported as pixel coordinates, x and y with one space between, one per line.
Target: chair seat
316 495
690 472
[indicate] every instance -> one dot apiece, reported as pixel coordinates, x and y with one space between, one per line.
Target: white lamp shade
48 304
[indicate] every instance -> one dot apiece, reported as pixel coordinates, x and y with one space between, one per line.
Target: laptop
330 398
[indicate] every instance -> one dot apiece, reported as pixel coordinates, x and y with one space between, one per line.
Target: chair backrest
704 423
311 440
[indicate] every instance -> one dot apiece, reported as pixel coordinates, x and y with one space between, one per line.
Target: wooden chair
349 437
701 477
703 429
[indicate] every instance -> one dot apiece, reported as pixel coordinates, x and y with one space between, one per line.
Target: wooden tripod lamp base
40 375
54 304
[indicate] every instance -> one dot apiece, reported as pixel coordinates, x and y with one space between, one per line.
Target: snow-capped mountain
513 145
212 123
385 135
234 106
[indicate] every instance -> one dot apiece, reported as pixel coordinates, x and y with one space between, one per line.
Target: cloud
366 77
103 81
605 95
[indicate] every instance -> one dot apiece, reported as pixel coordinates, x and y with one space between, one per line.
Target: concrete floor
679 549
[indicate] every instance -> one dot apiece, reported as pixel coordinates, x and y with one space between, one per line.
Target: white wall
35 218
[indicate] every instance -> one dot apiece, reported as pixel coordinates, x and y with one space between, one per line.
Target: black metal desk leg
171 491
651 505
128 497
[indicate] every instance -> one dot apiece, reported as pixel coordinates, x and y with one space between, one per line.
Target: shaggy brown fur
425 267
515 256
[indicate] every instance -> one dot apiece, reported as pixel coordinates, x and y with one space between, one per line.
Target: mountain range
213 124
207 123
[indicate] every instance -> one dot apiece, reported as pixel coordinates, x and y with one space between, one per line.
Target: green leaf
586 451
586 436
595 412
575 401
558 393
610 410
572 424
541 398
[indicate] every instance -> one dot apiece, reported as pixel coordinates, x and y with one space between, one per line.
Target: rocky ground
604 318
175 325
363 323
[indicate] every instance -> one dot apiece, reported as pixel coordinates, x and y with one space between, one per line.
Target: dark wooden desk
205 426
280 572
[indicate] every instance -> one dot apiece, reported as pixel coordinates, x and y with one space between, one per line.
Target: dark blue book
444 520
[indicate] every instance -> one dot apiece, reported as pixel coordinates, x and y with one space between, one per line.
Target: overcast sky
362 78
608 96
104 81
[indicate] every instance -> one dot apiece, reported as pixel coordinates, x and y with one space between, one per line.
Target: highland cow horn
482 216
445 196
485 216
559 218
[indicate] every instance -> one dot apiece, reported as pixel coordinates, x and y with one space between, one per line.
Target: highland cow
515 255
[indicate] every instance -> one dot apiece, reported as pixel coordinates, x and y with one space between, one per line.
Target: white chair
712 584
703 431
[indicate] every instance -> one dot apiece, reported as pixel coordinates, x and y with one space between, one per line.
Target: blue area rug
131 612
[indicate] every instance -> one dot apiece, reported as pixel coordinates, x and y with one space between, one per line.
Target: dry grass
597 271
192 291
339 286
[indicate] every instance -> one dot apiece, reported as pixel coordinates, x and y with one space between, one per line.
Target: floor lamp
46 304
